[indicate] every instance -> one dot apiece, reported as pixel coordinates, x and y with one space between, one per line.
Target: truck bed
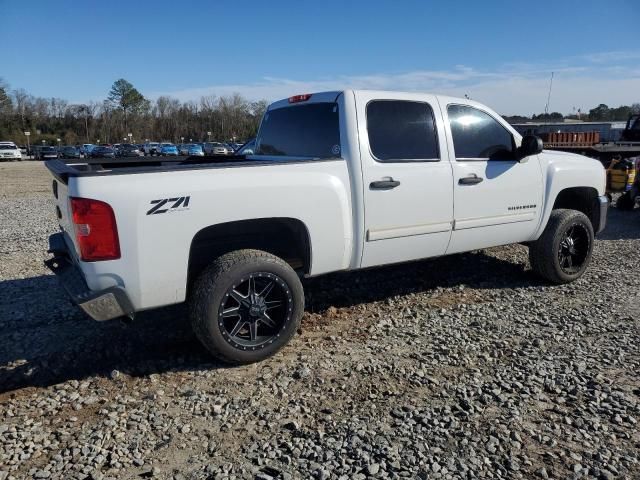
62 169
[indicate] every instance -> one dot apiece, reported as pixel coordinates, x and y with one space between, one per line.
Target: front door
407 178
497 199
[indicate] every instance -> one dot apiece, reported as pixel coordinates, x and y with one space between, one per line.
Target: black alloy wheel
254 311
574 249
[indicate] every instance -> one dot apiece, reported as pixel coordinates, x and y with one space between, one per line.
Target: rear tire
563 251
246 306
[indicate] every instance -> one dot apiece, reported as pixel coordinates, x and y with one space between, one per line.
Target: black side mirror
531 145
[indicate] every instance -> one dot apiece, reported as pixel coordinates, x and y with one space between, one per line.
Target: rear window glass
302 131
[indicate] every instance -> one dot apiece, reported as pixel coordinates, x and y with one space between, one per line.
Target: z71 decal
165 205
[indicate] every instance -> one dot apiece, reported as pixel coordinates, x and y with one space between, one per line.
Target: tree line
126 111
601 113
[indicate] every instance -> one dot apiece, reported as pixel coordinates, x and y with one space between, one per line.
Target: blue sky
499 52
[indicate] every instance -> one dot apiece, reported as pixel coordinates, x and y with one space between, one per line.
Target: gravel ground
461 367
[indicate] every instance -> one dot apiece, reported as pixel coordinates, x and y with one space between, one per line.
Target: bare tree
21 98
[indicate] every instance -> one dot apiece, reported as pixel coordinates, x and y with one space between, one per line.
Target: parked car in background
183 148
195 150
168 149
129 150
46 153
151 148
10 151
215 148
69 152
248 148
85 149
102 152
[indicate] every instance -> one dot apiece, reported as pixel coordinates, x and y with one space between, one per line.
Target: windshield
7 147
195 147
303 131
48 149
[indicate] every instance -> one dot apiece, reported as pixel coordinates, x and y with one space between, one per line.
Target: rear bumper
99 305
603 204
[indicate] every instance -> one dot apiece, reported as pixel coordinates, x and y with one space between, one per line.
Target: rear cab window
306 130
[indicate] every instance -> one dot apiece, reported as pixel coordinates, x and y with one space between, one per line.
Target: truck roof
331 96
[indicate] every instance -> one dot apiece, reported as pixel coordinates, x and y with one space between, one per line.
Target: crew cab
339 180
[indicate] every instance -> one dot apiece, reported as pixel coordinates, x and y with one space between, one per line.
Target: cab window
479 136
402 130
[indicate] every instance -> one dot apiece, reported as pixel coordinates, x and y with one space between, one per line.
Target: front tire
246 306
563 251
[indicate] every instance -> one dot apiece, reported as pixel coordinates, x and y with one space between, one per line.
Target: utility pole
546 107
28 134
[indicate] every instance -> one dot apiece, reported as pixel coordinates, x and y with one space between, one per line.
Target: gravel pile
455 368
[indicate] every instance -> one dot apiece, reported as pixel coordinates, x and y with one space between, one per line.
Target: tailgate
63 213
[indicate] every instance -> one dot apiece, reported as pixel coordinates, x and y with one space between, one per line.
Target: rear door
497 199
407 177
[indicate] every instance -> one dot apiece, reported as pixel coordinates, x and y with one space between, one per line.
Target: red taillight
96 229
300 98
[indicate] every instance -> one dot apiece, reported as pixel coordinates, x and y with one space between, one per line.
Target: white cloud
514 88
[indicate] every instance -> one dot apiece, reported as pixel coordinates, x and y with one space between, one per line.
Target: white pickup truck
339 181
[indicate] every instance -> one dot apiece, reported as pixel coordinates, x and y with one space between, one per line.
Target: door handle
472 179
387 184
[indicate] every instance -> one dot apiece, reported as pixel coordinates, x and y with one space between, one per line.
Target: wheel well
583 199
286 238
